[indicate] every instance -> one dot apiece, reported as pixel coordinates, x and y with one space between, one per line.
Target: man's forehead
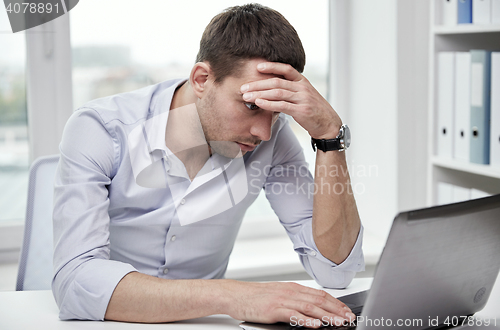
249 73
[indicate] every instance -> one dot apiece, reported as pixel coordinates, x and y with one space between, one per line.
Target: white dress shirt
123 202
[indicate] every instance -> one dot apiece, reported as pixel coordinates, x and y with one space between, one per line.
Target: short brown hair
246 32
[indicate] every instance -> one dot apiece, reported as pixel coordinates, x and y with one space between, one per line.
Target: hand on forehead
294 95
276 71
282 85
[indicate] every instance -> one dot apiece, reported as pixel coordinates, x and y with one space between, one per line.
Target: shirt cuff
88 295
323 270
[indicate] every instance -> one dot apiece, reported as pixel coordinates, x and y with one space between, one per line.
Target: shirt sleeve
290 188
84 277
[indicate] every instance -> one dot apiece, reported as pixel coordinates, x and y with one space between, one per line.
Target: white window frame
49 100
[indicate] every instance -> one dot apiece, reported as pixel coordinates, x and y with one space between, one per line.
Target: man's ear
201 76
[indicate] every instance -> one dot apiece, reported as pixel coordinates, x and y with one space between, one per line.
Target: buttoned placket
175 171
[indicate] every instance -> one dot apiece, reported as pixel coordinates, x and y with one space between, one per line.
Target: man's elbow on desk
331 275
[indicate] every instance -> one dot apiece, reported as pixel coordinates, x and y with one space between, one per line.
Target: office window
120 46
14 145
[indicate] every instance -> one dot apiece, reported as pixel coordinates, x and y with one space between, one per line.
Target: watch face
345 136
346 139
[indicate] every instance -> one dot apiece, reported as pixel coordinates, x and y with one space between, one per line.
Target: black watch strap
326 145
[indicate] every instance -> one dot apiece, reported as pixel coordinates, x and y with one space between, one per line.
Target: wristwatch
340 143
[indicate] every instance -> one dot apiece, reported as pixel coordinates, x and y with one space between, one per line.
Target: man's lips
246 147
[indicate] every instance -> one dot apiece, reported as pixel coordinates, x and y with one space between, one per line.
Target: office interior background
375 61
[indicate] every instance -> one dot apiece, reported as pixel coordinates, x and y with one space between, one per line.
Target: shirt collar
156 124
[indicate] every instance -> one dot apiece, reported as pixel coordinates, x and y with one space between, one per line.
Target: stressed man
153 184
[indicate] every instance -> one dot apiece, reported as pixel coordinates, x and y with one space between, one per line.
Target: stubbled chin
227 149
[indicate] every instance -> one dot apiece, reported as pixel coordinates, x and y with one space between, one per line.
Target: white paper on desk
461 130
495 111
481 11
449 12
445 94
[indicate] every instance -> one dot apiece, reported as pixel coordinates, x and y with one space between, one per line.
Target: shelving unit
459 38
465 29
475 169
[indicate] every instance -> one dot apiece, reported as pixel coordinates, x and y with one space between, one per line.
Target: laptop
439 264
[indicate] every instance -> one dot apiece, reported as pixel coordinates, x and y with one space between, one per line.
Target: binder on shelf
495 110
481 11
448 12
460 194
464 11
462 107
444 193
446 68
480 107
495 11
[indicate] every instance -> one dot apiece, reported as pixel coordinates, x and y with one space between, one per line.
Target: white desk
38 310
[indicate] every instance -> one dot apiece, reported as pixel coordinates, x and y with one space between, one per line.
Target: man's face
229 123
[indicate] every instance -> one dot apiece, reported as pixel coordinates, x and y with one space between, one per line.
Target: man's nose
261 125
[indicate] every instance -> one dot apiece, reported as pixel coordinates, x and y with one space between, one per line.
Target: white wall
372 111
378 84
412 87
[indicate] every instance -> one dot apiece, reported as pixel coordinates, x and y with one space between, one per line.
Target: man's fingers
312 291
311 310
326 301
272 95
329 306
299 305
277 106
282 69
268 84
316 292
